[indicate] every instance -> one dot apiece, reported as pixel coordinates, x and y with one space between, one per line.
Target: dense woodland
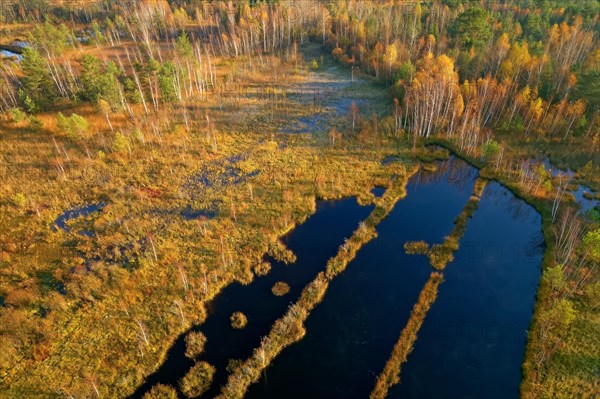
123 103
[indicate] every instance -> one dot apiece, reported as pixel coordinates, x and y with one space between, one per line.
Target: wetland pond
313 242
472 342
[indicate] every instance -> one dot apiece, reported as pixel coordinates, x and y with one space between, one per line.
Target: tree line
456 68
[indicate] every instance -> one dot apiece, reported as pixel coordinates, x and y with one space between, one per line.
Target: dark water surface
473 340
586 204
313 242
62 220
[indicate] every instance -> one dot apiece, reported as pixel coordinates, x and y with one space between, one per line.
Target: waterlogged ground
63 220
351 334
582 194
473 338
331 96
7 55
178 207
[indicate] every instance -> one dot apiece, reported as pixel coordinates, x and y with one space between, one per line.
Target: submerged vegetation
207 130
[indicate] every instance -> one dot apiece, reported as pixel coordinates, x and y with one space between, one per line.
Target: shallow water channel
579 196
472 342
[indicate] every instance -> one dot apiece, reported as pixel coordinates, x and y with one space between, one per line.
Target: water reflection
472 342
514 207
351 333
453 170
581 194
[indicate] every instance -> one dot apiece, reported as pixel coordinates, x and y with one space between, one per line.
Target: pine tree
472 28
183 46
100 82
38 89
166 81
90 77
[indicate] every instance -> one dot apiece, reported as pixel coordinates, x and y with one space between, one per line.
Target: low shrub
35 123
17 115
19 200
416 247
429 167
390 374
160 391
238 320
280 288
440 255
281 253
262 269
197 380
194 344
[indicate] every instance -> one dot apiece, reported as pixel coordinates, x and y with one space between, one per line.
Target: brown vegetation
238 320
391 372
290 328
197 380
280 288
194 344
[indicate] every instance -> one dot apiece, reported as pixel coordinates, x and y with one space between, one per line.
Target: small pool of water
332 96
62 220
579 194
378 191
10 55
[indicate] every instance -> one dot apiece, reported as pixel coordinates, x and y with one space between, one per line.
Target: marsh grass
160 391
441 254
280 288
429 167
569 372
390 374
146 270
284 332
416 247
262 268
238 320
279 251
428 155
197 380
195 342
